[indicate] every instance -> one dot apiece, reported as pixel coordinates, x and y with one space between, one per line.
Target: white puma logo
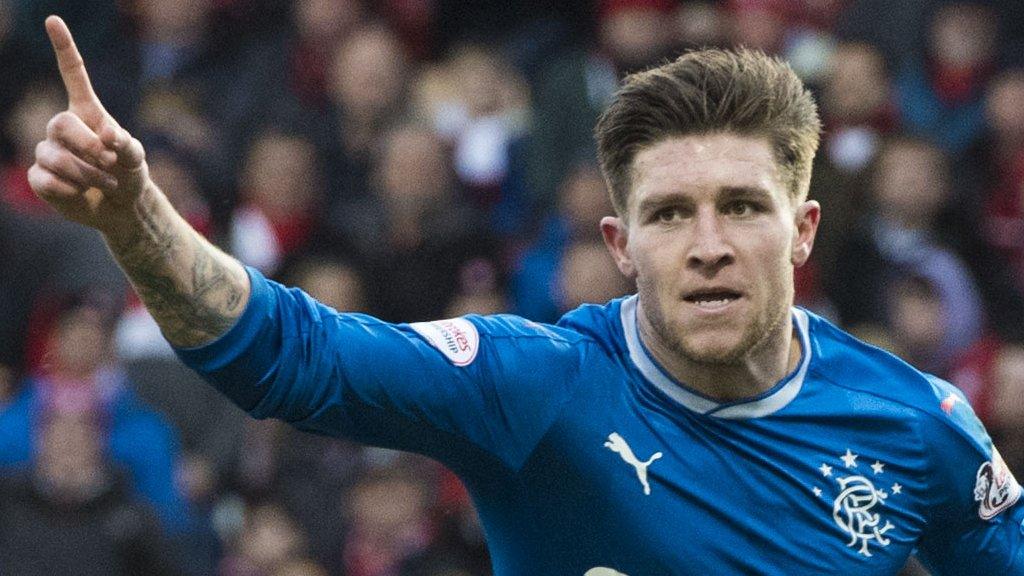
618 444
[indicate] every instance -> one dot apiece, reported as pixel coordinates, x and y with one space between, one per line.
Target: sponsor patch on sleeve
995 488
456 338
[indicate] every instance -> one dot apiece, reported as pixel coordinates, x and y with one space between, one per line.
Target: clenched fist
88 168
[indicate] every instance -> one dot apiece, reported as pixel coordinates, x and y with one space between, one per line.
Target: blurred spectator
577 84
279 196
919 323
320 25
479 103
941 95
537 290
72 513
80 374
388 521
269 542
331 281
366 85
758 24
588 275
26 126
414 234
1001 160
479 292
910 188
1008 405
858 113
700 23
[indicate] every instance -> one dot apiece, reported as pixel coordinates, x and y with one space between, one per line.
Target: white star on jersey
826 470
849 459
877 467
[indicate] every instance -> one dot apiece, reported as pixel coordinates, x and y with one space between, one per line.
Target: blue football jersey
585 458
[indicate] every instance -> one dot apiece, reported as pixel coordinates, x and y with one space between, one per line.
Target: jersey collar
767 403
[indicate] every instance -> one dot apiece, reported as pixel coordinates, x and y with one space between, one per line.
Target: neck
758 371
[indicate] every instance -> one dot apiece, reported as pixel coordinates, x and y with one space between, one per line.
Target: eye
666 215
742 208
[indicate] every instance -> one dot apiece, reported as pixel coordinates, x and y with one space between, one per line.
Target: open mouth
713 298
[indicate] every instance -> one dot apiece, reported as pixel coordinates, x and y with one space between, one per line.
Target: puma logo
618 444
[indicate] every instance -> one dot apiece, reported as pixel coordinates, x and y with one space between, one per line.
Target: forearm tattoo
193 291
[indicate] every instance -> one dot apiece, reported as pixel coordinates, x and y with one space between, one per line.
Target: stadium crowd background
419 159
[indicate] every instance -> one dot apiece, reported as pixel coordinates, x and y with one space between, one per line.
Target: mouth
712 299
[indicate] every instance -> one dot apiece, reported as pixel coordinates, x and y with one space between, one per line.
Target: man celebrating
703 426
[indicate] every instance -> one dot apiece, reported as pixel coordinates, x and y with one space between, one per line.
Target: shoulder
461 339
860 368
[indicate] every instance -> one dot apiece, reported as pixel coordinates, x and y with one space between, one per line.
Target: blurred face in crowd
413 169
635 37
81 344
280 174
584 199
918 320
963 36
179 182
1003 106
270 537
1008 405
711 236
326 20
589 275
387 509
757 26
1008 386
367 74
27 122
333 284
857 85
910 183
479 76
172 20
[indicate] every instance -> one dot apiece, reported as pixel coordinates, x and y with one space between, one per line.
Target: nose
709 249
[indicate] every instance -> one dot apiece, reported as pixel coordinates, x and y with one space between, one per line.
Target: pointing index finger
72 67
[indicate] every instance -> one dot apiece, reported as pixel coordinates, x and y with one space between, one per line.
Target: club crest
859 505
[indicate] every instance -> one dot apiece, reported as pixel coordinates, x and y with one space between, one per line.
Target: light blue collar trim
755 408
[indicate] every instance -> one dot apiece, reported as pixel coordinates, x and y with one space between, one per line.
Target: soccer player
703 426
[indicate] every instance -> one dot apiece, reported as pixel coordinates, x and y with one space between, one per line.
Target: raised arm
94 172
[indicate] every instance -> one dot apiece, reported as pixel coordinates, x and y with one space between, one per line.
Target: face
711 238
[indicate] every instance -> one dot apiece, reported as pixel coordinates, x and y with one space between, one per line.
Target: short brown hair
704 92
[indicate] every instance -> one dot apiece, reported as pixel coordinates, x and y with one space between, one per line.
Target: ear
616 238
807 217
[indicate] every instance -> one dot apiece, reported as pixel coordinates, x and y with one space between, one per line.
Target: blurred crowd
420 159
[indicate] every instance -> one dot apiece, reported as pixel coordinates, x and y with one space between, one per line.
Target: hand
88 168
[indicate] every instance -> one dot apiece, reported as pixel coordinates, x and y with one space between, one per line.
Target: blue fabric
139 441
579 455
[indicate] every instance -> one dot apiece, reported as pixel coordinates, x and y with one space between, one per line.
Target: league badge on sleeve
456 338
995 488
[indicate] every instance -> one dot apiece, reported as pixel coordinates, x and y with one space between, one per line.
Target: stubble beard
757 335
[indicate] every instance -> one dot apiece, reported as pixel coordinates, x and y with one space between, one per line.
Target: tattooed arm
93 172
193 290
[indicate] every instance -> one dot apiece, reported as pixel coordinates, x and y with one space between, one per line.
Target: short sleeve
449 389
